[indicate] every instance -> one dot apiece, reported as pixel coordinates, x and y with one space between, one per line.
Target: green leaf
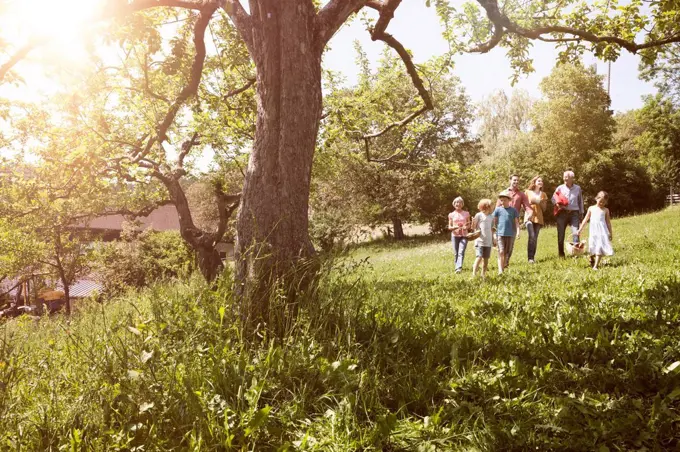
221 310
674 394
146 356
258 420
134 331
146 406
671 367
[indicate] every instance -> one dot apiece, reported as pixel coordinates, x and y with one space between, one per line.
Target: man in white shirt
571 214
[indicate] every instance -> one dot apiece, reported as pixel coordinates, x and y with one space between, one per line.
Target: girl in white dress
600 234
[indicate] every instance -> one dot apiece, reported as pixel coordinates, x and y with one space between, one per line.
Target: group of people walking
498 224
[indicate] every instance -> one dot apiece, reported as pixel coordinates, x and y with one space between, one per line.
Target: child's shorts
506 244
483 251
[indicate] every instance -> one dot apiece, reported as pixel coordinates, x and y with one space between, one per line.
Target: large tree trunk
273 236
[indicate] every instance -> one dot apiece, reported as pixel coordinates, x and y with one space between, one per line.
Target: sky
418 28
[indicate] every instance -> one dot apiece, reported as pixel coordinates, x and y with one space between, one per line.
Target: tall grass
392 351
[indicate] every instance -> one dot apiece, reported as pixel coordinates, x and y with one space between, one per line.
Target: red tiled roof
164 218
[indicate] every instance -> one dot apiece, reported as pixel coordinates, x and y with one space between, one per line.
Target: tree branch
241 20
18 56
143 212
226 204
186 148
410 67
21 281
375 4
631 46
196 72
498 33
333 16
125 7
401 123
500 20
387 9
559 39
147 86
237 91
378 33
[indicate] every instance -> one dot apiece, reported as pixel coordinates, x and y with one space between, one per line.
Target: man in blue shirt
571 213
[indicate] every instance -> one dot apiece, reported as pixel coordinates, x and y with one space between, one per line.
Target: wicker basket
575 249
474 235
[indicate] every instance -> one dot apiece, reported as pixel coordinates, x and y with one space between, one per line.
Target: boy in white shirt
483 221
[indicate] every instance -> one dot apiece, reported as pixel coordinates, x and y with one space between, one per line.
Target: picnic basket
474 235
575 249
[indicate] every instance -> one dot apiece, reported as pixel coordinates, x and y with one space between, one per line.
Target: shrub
627 182
141 258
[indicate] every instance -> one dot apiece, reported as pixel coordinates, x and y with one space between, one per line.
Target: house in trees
163 218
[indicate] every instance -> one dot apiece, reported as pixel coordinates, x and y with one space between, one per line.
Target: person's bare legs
475 267
501 262
597 261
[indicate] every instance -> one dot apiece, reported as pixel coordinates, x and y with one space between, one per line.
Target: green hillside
392 351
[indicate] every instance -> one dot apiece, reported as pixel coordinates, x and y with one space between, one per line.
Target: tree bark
67 295
20 290
203 243
67 287
273 241
59 264
209 262
398 229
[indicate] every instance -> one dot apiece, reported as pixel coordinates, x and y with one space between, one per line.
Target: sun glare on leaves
59 34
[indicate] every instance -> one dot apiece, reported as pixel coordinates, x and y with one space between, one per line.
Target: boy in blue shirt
506 222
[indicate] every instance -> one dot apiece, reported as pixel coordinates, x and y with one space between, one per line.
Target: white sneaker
531 261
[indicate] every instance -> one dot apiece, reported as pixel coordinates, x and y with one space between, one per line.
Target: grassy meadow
391 351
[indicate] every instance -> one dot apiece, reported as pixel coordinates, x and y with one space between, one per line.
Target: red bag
561 202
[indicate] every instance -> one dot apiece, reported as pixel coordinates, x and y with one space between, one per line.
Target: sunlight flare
63 20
